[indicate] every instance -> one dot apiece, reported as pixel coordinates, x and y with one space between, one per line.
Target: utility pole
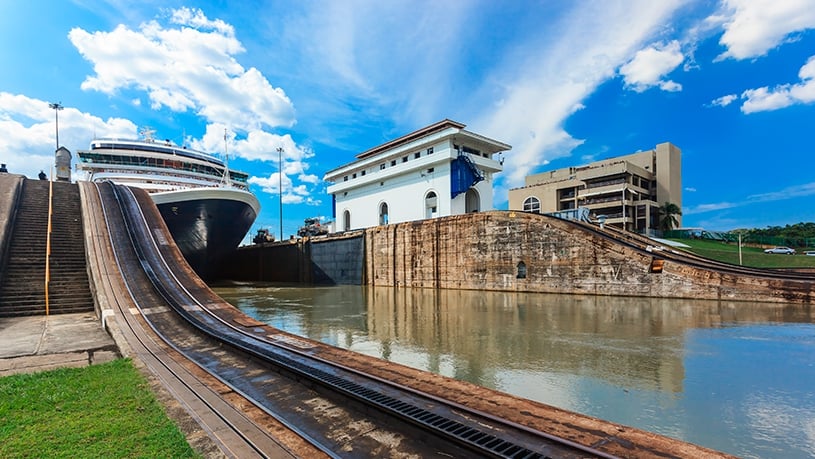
57 106
280 186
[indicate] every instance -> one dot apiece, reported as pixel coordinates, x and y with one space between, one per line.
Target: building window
521 270
383 213
393 163
362 173
431 170
430 151
382 167
417 155
345 179
354 176
470 150
532 204
472 202
346 220
404 159
431 205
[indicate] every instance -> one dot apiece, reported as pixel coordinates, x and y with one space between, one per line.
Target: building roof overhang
433 133
424 132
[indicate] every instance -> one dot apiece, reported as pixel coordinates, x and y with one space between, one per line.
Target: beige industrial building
625 191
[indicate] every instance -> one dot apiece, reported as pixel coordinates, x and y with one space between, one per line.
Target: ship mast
147 133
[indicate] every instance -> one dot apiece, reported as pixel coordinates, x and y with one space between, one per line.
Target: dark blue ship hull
207 229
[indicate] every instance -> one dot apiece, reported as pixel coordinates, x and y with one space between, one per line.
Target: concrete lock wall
499 250
337 260
493 251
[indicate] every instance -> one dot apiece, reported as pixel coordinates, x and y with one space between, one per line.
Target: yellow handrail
48 239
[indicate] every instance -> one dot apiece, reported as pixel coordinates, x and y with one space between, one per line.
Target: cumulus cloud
650 65
754 27
765 99
29 132
292 194
724 101
188 68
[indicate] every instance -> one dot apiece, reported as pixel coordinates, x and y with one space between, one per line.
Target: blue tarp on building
463 175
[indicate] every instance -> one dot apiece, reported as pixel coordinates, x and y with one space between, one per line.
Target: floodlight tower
280 186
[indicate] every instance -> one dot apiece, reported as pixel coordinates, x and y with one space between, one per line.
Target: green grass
105 410
751 256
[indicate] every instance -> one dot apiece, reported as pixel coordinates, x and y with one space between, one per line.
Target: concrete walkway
39 343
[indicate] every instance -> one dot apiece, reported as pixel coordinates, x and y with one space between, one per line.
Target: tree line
796 231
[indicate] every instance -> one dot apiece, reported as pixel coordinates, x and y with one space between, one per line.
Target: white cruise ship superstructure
208 208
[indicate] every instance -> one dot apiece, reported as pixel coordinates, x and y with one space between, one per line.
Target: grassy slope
99 411
751 256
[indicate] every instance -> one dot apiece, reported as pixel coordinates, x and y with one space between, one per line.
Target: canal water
735 377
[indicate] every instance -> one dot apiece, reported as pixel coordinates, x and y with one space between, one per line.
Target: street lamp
280 186
57 106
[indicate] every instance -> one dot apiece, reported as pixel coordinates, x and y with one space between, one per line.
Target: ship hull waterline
207 224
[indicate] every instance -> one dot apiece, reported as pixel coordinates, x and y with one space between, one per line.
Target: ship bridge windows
161 163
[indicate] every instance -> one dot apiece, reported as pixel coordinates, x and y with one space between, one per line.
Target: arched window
346 220
383 213
532 204
431 205
521 270
472 202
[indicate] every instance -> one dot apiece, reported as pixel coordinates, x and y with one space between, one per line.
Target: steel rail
689 259
189 307
168 370
169 342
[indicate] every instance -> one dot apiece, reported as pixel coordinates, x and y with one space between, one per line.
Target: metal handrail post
48 240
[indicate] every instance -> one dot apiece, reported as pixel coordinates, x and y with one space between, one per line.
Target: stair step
22 290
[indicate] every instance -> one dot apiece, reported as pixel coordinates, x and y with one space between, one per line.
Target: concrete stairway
22 291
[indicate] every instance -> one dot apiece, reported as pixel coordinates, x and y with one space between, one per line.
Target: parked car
781 250
811 253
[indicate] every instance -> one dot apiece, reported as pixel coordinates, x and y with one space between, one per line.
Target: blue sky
731 83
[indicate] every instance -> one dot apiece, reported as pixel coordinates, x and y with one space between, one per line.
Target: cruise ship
208 207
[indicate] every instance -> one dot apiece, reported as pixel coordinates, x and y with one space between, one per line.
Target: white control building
437 171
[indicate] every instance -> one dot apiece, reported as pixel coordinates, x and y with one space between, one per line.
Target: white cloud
649 66
539 91
29 130
191 68
766 99
796 191
292 194
753 27
724 101
309 178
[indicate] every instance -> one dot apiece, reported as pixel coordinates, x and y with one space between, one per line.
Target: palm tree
667 216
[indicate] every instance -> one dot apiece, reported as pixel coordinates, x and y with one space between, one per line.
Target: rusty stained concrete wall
481 251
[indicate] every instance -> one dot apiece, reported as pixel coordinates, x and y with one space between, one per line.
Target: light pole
57 106
280 186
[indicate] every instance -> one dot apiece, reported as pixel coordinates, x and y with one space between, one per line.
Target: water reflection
724 375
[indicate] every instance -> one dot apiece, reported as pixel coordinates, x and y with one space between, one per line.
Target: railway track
232 431
340 411
647 246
